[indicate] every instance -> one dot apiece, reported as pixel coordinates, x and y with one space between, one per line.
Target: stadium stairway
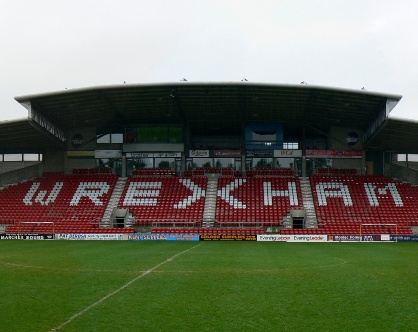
210 201
308 204
106 221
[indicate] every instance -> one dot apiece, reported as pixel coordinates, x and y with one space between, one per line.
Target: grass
208 286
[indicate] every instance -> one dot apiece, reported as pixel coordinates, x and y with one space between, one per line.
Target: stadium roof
19 136
209 108
397 135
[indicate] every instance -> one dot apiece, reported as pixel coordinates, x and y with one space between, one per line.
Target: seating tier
255 201
207 230
165 199
58 198
343 200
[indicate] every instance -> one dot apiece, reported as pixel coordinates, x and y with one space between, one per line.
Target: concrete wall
9 166
73 163
354 163
80 141
21 174
54 161
342 138
83 139
155 147
316 144
221 142
402 173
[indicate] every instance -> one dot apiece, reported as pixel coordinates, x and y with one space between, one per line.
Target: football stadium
231 206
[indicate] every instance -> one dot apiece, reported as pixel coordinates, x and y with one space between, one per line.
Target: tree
263 163
207 165
164 164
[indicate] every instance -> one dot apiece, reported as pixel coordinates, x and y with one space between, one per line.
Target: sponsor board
227 153
404 238
163 237
224 237
293 238
287 153
167 154
273 237
308 238
334 153
259 153
352 138
26 236
199 153
385 237
104 154
354 238
77 140
78 153
140 155
82 236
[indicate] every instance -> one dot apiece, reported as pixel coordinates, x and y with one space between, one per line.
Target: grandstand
209 158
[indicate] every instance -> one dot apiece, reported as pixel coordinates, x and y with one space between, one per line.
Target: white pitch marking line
120 289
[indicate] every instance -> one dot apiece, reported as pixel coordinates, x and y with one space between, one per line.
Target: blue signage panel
163 237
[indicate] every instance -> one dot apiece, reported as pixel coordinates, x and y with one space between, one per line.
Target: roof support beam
106 100
242 101
306 119
46 126
380 120
176 106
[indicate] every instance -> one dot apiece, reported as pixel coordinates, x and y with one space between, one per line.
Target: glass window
133 164
103 163
103 139
262 163
203 162
13 157
110 138
238 164
284 162
224 162
31 157
175 135
142 163
152 134
165 163
130 166
117 138
293 163
291 146
190 164
130 136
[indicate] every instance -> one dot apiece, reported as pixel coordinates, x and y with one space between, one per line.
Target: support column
123 166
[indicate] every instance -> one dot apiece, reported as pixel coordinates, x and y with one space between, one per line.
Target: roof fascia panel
43 124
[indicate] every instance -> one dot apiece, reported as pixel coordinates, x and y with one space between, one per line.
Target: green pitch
208 286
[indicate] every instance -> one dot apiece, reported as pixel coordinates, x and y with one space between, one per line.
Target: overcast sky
51 45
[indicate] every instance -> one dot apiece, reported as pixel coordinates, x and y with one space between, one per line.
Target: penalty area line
104 298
